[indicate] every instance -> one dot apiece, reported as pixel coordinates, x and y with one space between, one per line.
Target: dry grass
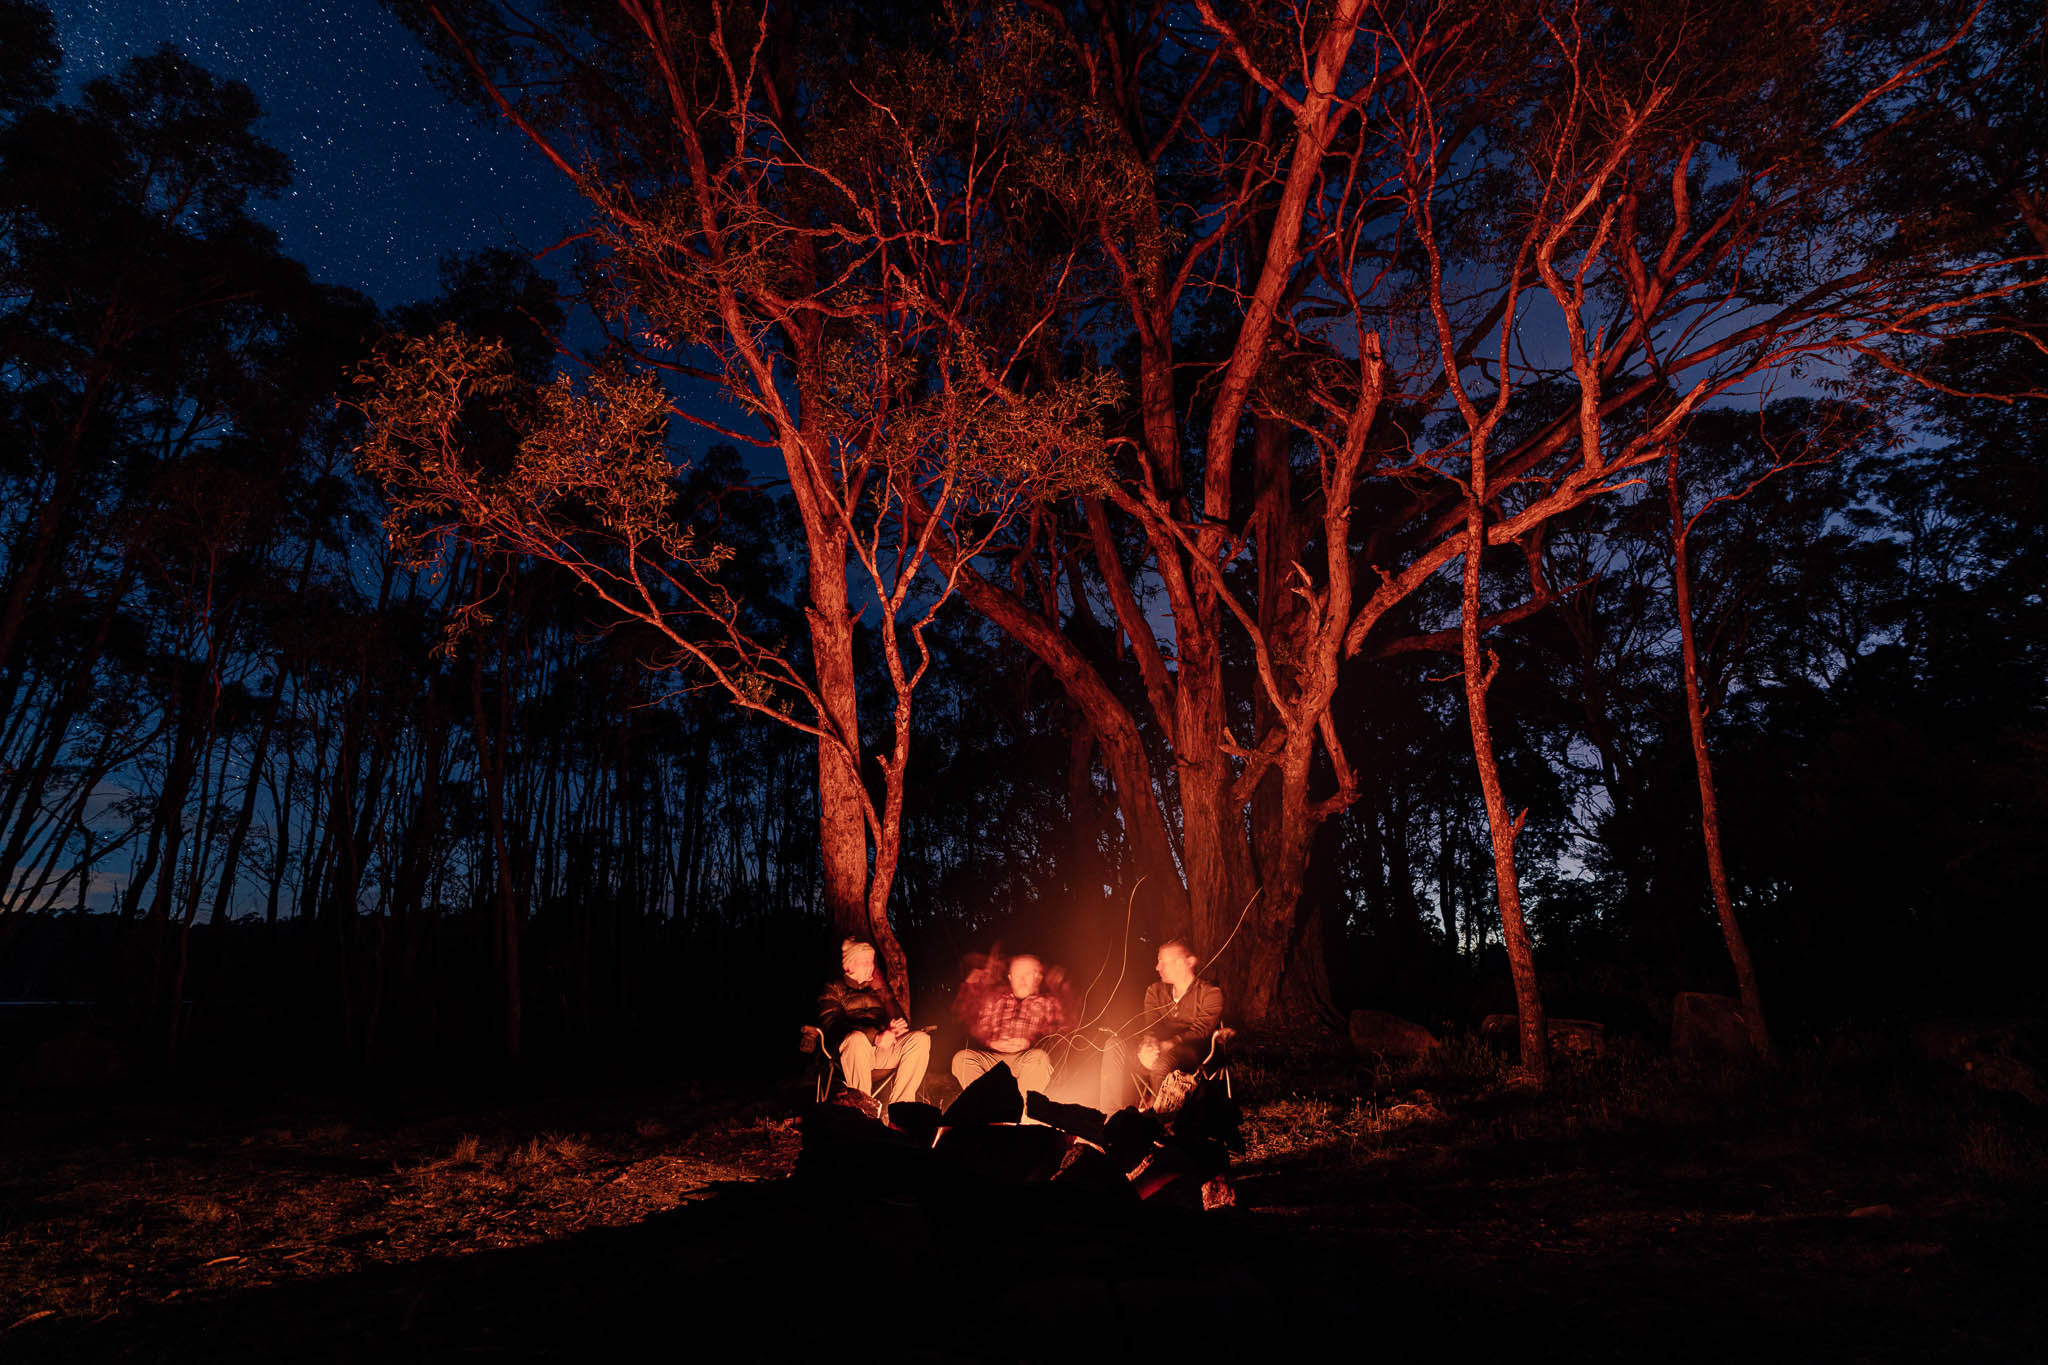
1296 1124
1626 1157
92 1223
1630 1139
1999 1152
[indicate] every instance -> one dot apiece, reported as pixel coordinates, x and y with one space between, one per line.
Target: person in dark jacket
1181 1013
866 1030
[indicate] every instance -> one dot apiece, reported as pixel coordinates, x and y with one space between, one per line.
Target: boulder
1993 1055
1568 1037
1710 1028
1577 1037
1380 1036
79 1059
920 1121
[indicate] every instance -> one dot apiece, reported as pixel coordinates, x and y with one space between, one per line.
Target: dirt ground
1846 1206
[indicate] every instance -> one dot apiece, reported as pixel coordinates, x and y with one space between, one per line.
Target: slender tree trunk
26 800
28 575
281 805
245 816
1479 671
1710 806
196 875
505 935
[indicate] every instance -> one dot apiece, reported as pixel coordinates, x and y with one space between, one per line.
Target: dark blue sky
389 174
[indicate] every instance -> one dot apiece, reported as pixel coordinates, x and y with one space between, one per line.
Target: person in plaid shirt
1008 1025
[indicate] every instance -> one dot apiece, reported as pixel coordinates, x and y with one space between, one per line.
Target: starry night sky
390 175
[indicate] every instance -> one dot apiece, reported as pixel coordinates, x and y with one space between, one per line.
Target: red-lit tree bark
1239 198
776 253
1480 668
1703 761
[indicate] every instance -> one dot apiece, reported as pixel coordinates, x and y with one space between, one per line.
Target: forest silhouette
1514 531
272 774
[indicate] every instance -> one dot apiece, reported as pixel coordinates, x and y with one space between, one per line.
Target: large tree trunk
1710 806
1503 827
1272 994
1122 748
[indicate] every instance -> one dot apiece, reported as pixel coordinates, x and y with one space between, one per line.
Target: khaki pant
1032 1067
860 1059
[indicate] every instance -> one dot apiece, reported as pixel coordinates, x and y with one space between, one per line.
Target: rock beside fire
1710 1029
1380 1036
1568 1037
916 1120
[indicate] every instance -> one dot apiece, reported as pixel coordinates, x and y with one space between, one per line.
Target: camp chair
824 1067
1216 1066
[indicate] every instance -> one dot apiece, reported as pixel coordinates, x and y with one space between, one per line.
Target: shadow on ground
785 1270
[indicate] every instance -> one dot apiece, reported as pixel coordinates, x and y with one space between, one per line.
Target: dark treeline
269 786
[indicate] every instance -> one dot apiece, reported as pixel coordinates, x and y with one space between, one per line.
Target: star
390 175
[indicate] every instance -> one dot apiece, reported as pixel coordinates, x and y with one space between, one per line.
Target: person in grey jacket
866 1030
1181 1013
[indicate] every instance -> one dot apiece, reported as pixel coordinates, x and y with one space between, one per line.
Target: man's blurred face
1026 975
1175 967
860 964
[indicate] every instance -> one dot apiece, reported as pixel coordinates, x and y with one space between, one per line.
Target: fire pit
992 1138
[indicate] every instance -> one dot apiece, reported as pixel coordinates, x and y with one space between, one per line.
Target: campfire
993 1137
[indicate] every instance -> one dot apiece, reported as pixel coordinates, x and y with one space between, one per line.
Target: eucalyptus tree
1381 280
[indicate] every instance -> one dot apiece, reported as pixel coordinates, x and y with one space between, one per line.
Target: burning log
991 1098
1078 1119
1088 1167
1002 1153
